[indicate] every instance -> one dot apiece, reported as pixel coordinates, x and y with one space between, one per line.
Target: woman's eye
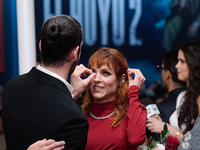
106 73
182 61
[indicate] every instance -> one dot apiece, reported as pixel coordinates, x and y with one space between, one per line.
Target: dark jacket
37 106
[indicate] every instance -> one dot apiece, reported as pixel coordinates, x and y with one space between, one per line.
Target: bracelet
177 133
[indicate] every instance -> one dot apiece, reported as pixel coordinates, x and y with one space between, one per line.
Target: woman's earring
122 81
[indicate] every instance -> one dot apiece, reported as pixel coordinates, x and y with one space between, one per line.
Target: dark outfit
37 106
168 105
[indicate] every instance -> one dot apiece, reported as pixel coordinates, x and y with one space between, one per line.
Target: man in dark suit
39 104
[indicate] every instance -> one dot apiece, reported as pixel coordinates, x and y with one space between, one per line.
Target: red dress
127 136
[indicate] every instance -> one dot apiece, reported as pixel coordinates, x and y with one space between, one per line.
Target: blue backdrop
135 27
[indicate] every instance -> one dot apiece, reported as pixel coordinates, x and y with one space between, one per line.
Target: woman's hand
155 124
47 145
138 78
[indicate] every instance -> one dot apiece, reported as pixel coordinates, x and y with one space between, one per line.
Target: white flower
187 136
159 147
185 145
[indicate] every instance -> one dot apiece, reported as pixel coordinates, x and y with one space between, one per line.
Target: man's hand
79 84
47 145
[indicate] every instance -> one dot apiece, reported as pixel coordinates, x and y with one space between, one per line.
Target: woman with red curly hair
117 119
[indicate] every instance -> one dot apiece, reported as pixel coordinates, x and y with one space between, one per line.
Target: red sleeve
137 116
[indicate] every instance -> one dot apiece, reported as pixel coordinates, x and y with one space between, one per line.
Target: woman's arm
137 114
155 125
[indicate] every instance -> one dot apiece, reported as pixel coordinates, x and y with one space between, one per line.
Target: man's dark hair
170 60
59 36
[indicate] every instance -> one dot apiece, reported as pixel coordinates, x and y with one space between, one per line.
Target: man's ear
40 46
74 53
168 74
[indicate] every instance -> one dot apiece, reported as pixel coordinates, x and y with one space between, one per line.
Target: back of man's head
169 61
59 36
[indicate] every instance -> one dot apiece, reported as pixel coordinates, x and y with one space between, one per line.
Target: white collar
56 76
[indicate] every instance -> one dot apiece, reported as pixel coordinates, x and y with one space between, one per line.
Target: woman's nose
97 77
176 66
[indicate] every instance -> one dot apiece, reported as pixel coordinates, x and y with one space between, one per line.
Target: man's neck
62 71
175 86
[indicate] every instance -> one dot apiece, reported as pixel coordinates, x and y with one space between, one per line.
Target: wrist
177 133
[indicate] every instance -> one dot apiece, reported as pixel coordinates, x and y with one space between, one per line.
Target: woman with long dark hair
186 127
188 70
